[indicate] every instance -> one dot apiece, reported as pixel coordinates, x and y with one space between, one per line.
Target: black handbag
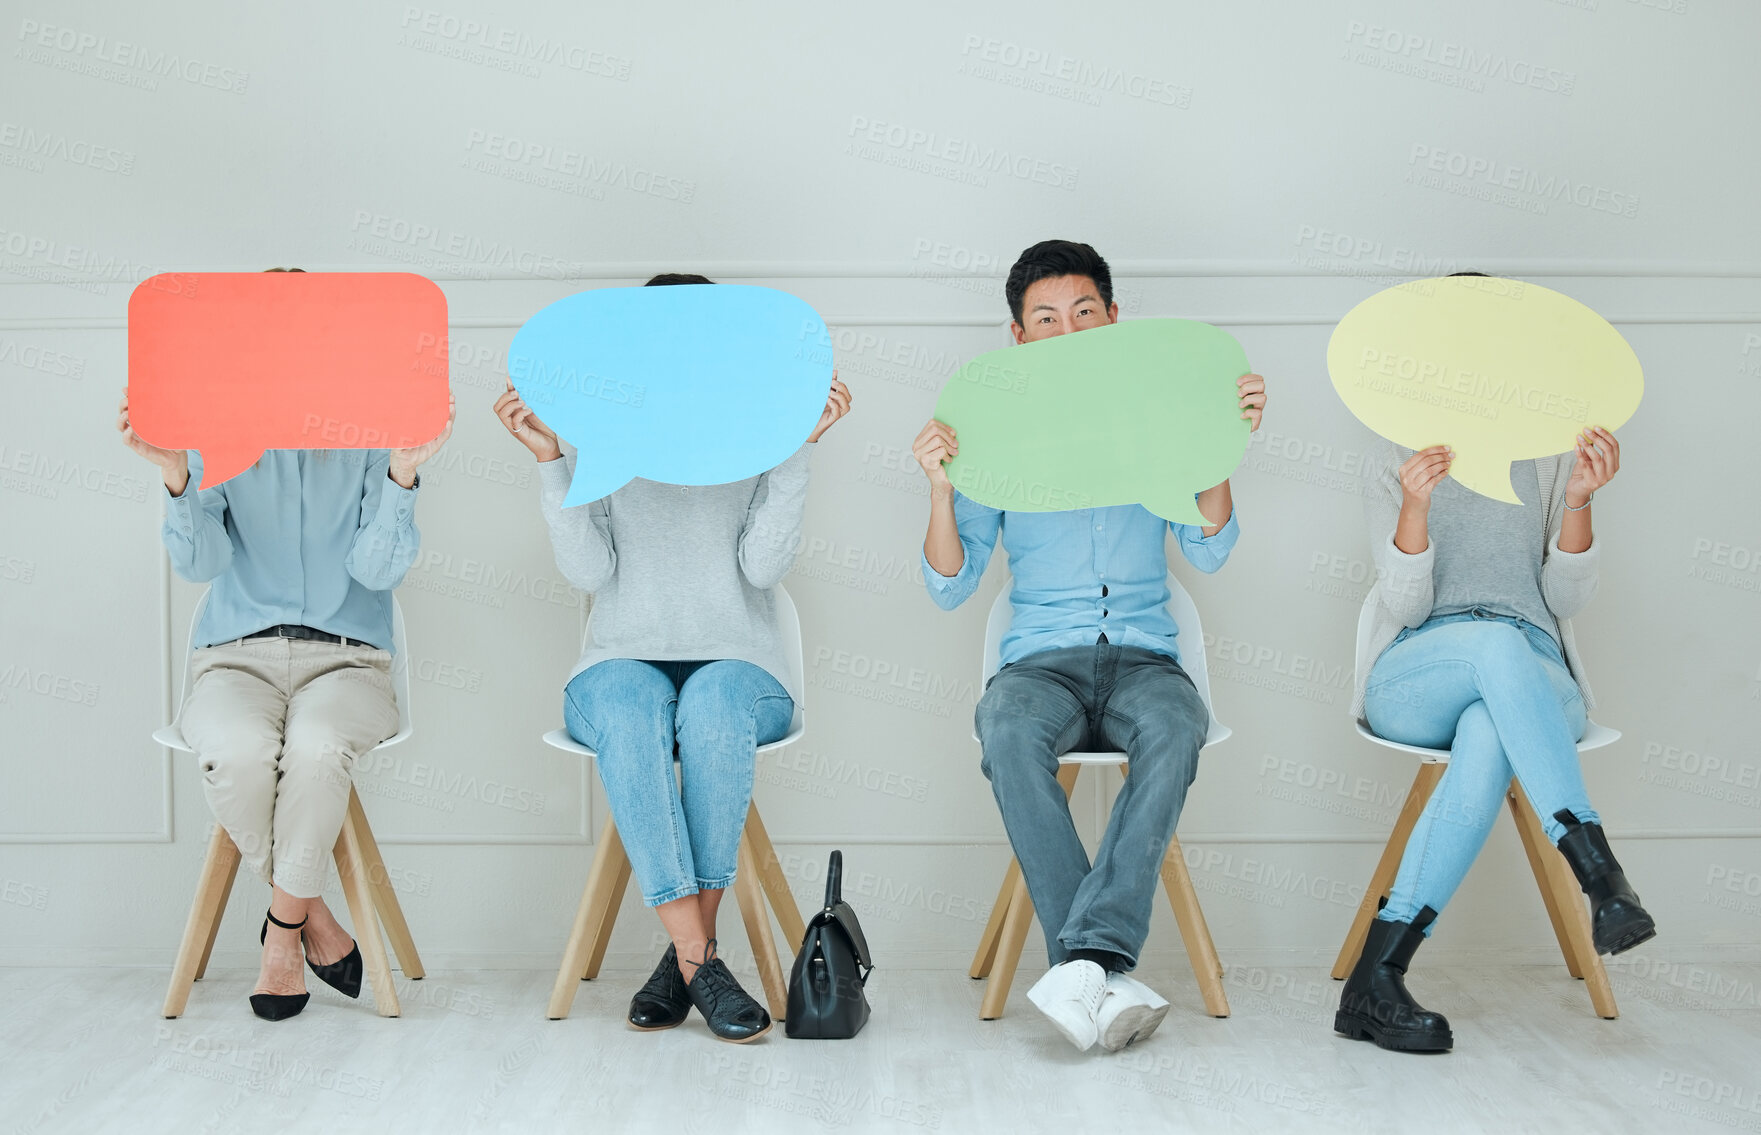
826 1001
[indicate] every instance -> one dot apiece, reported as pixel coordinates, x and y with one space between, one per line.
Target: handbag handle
834 880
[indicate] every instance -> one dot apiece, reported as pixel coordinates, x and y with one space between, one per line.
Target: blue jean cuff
685 891
1130 956
720 884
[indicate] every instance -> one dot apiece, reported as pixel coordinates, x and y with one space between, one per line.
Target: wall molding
1236 319
1269 269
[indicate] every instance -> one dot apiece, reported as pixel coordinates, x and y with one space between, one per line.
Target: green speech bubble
1145 412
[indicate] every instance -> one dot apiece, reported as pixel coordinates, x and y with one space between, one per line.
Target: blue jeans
636 715
1091 698
1494 690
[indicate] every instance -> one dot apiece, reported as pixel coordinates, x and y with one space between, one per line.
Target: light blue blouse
1079 573
309 537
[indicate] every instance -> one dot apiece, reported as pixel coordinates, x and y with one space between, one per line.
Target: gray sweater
681 572
1404 593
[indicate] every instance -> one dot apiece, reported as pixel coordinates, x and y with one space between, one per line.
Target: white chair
1559 888
759 874
359 865
999 949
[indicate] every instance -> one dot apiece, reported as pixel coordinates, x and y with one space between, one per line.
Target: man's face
1058 305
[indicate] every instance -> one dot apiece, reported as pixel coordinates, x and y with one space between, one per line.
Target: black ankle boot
662 1002
1375 1005
1617 921
732 1015
278 1006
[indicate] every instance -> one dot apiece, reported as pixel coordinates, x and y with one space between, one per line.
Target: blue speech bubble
687 384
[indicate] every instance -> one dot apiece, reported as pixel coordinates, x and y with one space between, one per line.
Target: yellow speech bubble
1499 370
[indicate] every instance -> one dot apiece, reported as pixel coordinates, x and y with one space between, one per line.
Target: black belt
294 630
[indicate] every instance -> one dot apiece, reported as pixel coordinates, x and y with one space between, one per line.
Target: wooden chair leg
584 934
1535 845
391 912
215 882
1430 772
775 883
606 917
1009 945
351 867
750 894
993 930
219 913
1194 931
1012 933
1565 904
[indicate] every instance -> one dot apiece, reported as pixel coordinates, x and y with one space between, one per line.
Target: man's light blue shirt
1079 574
303 537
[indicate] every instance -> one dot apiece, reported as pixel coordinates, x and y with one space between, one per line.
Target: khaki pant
276 725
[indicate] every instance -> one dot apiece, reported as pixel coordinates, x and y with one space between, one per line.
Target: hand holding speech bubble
686 384
233 363
1144 412
1499 370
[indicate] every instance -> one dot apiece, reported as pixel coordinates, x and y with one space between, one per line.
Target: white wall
1258 165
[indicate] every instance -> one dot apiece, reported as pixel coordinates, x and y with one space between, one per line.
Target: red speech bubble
233 363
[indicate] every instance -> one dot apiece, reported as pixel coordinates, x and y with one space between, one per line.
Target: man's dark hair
1051 258
678 278
1470 274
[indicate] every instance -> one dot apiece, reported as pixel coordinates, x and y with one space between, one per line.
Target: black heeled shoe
278 1006
732 1015
1618 922
662 1002
342 975
1375 1006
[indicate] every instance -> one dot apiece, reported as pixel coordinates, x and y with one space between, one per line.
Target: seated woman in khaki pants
292 679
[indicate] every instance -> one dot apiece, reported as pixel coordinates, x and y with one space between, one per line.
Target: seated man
1090 662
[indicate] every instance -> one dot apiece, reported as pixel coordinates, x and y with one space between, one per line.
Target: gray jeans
1091 698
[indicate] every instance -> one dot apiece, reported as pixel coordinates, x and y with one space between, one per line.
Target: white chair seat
1595 737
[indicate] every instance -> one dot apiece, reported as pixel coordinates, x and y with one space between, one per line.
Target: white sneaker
1070 996
1129 1012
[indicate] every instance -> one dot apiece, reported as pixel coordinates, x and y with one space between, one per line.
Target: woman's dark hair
1470 274
1051 258
284 269
678 278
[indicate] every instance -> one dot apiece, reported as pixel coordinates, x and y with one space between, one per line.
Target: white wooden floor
86 1051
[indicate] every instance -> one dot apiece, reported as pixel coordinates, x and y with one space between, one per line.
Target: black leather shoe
662 1002
1375 1005
731 1014
1617 922
278 1006
342 975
